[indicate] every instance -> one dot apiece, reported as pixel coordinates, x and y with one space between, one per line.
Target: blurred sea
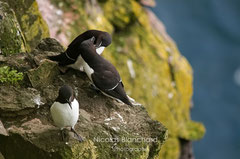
207 32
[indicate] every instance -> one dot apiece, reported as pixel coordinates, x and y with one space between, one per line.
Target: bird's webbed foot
79 138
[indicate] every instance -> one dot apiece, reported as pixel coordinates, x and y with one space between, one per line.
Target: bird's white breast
89 71
78 65
100 50
63 115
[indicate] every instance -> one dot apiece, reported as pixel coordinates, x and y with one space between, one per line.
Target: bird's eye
93 39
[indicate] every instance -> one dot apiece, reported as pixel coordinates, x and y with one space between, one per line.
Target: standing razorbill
72 58
65 110
102 73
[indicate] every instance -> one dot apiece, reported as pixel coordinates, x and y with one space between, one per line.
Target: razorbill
72 56
65 110
102 73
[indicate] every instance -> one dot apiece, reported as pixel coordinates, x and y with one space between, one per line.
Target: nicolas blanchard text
125 139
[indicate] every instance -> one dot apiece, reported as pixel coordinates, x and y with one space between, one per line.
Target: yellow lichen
11 37
84 150
170 149
33 26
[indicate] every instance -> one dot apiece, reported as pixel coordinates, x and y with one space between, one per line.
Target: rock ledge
110 129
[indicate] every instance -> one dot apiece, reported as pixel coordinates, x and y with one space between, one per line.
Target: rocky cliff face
107 127
11 37
153 71
110 129
21 26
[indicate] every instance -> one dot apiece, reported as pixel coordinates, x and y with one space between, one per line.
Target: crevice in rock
186 149
171 68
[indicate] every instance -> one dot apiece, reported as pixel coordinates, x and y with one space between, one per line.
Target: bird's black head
88 43
65 95
104 39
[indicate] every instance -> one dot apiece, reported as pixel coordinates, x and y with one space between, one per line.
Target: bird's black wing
111 84
105 80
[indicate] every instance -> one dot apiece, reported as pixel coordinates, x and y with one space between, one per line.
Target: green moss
44 74
192 131
85 151
119 13
11 76
171 149
11 37
33 26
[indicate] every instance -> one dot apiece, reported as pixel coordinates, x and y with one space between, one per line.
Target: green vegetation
8 75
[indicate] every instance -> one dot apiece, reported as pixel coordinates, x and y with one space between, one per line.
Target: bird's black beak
98 46
98 42
70 105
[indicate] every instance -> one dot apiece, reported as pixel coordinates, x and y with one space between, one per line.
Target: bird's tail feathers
120 94
126 101
56 58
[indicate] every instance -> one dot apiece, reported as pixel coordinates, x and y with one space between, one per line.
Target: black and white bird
65 110
102 73
72 56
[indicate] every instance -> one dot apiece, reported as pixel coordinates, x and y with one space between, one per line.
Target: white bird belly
89 71
100 50
63 115
78 65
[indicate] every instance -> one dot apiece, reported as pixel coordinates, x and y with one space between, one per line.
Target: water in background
207 32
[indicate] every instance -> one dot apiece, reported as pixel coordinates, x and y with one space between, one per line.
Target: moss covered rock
11 37
43 76
152 69
32 25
